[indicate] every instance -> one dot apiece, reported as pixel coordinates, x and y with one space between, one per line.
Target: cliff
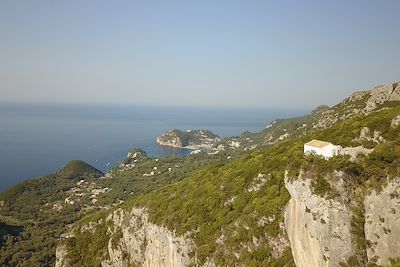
319 229
382 226
133 239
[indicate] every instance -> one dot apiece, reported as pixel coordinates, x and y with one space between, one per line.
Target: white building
322 148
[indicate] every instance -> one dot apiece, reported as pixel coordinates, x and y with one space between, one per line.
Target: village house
321 148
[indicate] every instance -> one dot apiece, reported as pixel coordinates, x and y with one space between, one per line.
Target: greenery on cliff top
216 203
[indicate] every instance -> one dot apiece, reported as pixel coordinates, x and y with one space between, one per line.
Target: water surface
36 140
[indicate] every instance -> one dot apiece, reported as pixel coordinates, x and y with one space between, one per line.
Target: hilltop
77 168
359 103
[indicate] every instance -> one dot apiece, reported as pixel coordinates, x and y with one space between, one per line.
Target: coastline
190 147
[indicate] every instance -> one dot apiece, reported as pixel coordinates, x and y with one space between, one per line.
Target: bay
39 139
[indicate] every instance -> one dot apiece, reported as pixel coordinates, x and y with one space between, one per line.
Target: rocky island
192 139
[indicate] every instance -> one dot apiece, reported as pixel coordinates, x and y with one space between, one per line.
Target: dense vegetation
201 201
216 202
6 229
132 182
39 223
33 214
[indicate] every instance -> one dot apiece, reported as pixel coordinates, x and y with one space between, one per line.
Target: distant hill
32 215
76 168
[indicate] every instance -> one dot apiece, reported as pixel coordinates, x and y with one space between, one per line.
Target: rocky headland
191 139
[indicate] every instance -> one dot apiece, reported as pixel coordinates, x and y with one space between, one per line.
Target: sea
39 139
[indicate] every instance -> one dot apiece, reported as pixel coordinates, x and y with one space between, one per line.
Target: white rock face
139 242
382 94
61 256
395 122
146 243
367 135
258 182
382 227
354 152
318 229
357 96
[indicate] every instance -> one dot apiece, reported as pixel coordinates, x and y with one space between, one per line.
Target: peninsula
192 139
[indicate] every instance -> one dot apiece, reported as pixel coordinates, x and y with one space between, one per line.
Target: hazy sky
200 53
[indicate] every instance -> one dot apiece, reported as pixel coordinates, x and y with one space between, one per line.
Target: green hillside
77 168
230 203
217 201
38 205
34 204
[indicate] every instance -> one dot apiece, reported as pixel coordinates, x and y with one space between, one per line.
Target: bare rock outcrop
382 227
382 94
135 240
395 122
354 152
145 243
62 256
362 102
367 135
319 229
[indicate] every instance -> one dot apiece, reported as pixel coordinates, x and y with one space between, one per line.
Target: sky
196 53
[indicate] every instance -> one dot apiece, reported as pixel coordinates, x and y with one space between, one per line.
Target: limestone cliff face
318 228
170 139
135 241
61 256
382 226
145 243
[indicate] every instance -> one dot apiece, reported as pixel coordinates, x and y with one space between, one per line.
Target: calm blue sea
36 140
